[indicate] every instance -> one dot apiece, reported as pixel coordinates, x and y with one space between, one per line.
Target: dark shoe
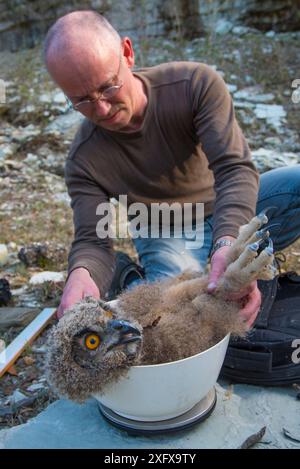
126 271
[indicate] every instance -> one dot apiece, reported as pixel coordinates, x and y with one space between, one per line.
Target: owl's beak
122 332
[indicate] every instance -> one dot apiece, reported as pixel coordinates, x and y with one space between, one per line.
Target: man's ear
128 52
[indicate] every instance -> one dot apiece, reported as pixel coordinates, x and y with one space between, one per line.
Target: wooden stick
9 355
253 439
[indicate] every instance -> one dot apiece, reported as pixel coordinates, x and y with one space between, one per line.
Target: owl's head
90 348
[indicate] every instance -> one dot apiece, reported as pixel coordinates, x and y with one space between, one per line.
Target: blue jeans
279 188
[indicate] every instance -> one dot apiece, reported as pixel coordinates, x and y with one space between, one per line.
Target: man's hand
79 285
250 297
252 303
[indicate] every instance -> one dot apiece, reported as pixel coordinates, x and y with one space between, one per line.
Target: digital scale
195 415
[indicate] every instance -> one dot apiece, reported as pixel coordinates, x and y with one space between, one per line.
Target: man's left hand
252 303
250 297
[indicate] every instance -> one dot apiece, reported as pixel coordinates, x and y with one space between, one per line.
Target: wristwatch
219 244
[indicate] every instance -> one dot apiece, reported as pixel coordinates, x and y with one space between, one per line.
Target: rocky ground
35 133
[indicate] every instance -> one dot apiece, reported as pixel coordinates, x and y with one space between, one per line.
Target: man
163 134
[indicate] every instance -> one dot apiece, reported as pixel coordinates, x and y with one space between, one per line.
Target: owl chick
90 348
95 343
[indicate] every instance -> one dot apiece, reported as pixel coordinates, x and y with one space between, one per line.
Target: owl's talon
253 246
270 249
262 234
262 217
245 262
265 211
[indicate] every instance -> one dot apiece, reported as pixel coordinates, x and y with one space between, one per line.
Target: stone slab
241 411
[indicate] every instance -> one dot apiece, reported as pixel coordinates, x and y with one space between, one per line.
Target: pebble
15 398
35 387
47 276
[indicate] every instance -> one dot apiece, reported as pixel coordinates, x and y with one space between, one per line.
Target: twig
290 435
253 439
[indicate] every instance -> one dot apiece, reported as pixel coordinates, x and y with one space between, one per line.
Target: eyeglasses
106 94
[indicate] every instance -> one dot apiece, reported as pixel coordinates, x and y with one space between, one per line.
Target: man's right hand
79 285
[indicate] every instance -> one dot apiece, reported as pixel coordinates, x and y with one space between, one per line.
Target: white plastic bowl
164 391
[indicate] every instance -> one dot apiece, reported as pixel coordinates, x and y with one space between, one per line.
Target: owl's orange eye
92 341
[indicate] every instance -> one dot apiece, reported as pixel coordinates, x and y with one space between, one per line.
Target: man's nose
102 107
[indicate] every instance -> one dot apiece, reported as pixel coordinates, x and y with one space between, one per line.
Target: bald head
85 56
79 36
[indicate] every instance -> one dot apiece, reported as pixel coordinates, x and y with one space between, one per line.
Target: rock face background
24 22
265 15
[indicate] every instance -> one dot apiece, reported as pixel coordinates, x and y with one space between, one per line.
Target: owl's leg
185 291
247 267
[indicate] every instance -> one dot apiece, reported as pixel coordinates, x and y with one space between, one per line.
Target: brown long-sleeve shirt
188 149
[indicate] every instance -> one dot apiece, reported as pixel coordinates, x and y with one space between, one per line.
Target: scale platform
197 414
